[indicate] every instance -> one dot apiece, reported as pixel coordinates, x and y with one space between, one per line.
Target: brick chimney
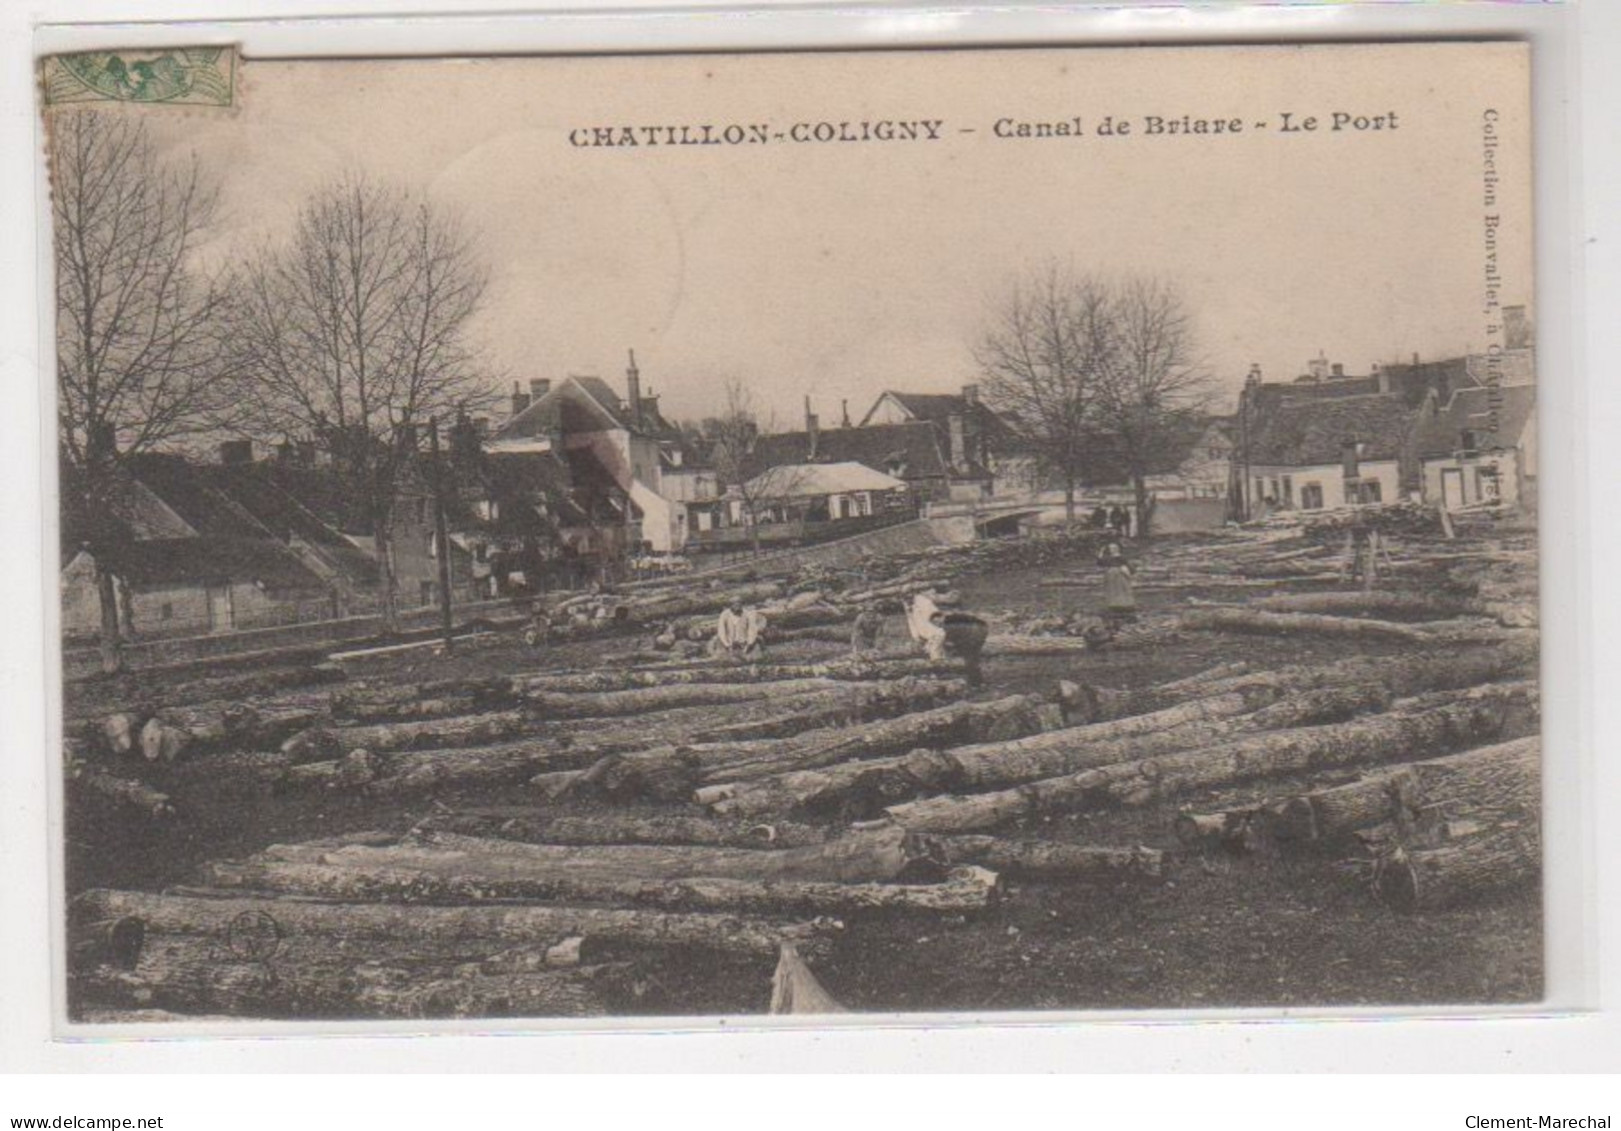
1382 375
844 413
520 400
959 440
813 433
633 392
970 394
1318 366
539 387
1336 370
1516 328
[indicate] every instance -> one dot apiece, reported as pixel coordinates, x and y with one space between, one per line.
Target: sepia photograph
963 531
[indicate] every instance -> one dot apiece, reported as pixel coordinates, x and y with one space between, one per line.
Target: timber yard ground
1217 929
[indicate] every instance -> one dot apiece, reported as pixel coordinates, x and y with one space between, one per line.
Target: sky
838 270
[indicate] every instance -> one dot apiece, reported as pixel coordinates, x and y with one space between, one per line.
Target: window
1288 491
1371 492
1311 497
1466 441
427 592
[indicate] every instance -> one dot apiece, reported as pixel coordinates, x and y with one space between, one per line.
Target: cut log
641 701
425 771
1499 782
1415 605
544 826
1000 719
794 989
864 703
465 932
467 730
1460 872
1047 860
209 727
1323 705
685 603
1013 645
878 855
585 992
1362 741
354 770
843 668
1286 624
460 880
120 732
134 794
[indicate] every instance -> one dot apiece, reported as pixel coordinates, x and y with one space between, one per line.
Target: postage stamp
186 76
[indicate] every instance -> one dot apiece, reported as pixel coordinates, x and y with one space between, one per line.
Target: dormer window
1467 441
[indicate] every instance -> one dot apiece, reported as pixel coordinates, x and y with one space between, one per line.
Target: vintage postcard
974 531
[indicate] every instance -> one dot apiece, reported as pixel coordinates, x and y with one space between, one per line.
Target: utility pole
440 534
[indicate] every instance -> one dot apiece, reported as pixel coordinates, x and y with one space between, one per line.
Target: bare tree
355 332
1153 391
1041 361
732 437
136 334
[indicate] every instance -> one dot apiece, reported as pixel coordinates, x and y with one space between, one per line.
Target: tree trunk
137 795
1069 497
1286 624
545 826
1417 605
383 538
464 933
1494 783
1268 754
515 761
850 669
645 700
1047 860
1145 510
863 703
428 734
876 856
1460 872
109 641
183 974
463 881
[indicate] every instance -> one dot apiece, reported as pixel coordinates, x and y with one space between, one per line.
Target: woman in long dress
1119 600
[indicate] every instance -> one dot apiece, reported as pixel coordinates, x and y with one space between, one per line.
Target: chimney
1253 378
970 394
959 440
1318 366
844 413
1516 328
1337 370
812 433
633 392
1415 357
1382 376
520 401
233 452
539 387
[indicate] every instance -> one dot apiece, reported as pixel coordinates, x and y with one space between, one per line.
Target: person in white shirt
923 620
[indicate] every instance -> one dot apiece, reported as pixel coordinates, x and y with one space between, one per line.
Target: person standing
864 632
1119 598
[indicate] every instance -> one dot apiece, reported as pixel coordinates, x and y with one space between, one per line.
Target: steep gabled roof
1497 417
1309 433
210 560
806 480
913 447
938 409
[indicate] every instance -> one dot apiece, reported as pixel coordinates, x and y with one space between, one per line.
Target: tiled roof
914 448
1307 433
1509 408
938 409
802 480
212 560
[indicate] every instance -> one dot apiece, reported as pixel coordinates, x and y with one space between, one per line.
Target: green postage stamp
184 76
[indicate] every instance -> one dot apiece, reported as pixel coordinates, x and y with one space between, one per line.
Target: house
911 452
623 442
1203 452
1479 447
1318 453
973 434
824 492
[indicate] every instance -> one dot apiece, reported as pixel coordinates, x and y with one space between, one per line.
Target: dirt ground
1220 931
